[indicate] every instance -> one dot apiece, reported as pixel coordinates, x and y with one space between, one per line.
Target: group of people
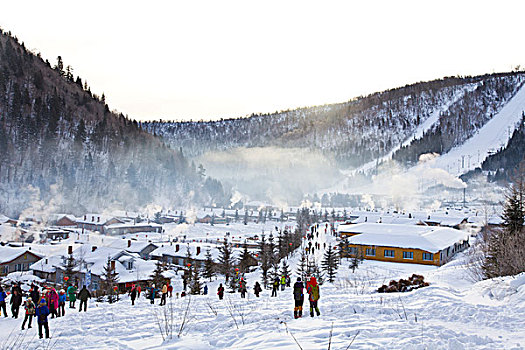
42 304
311 287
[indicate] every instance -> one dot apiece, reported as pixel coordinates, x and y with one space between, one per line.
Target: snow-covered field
452 313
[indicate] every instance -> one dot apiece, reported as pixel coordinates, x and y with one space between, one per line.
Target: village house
125 228
97 222
142 248
16 259
430 245
90 262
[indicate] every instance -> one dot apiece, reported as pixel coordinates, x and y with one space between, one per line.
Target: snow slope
419 131
492 136
452 313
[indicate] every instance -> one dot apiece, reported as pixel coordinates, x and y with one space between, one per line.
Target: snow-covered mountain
463 120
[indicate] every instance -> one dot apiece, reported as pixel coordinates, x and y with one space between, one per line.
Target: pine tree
110 281
245 259
226 259
329 263
195 283
157 277
69 267
285 269
209 266
343 247
264 259
301 266
505 247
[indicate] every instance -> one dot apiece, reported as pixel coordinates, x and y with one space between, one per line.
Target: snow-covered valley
452 313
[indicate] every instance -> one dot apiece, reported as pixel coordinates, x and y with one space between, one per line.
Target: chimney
85 217
46 261
113 265
93 248
176 247
70 250
98 219
129 243
93 218
198 250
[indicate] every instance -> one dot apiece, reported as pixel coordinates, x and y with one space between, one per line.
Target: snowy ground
452 313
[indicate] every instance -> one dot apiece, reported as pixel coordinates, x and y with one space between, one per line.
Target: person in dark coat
205 289
298 297
29 306
34 293
3 296
16 301
133 294
275 286
83 295
257 289
220 292
41 313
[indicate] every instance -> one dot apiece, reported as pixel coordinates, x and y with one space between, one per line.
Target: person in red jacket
313 296
52 302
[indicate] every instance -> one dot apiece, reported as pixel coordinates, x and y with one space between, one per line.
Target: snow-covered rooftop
9 253
428 238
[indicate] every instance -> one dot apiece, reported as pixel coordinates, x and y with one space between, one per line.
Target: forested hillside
362 129
61 146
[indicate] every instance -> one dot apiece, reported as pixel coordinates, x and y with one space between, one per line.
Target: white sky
212 59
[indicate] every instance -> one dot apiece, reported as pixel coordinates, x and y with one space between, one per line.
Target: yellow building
430 245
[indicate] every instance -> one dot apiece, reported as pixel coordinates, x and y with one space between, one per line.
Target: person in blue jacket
3 296
152 292
41 314
61 303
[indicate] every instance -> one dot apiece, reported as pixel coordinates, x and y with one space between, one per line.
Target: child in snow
29 306
313 292
41 313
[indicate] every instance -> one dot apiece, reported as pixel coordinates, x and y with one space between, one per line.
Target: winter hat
28 298
298 279
43 302
62 291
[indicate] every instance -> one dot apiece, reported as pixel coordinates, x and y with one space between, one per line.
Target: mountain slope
61 147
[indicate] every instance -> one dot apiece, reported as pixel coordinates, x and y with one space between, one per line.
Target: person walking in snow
3 296
164 294
242 288
313 296
29 306
16 301
275 286
34 294
83 295
170 290
283 282
52 302
298 297
61 303
220 291
133 294
205 289
152 292
257 289
41 313
72 295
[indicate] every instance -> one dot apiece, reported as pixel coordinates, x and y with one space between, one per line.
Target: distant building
404 243
96 222
16 259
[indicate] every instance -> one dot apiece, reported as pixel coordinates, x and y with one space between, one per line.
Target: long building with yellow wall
430 245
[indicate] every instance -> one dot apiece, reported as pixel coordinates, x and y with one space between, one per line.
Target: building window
370 252
389 253
6 269
18 267
408 255
352 250
428 256
130 265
